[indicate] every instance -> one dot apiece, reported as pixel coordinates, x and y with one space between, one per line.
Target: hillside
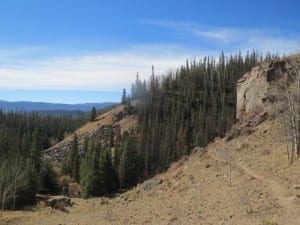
196 189
244 178
98 128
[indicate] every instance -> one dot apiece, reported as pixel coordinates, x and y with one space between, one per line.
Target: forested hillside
175 112
23 136
251 176
188 107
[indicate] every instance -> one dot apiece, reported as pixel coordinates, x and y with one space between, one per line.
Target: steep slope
263 90
244 178
197 190
102 126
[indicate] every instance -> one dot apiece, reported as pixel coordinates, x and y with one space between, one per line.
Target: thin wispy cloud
200 31
236 39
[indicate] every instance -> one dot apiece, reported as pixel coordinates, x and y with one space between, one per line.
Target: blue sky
52 50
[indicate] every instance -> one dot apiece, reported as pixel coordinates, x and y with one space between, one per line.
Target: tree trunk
292 117
298 134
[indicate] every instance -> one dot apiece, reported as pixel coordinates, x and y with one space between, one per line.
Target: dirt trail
281 193
291 214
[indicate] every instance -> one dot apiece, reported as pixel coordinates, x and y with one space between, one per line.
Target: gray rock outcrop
262 92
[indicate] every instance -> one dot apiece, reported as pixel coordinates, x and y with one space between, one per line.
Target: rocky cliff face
262 92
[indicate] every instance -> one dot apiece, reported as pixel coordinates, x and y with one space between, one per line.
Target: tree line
188 107
176 112
23 137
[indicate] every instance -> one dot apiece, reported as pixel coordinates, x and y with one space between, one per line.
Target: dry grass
102 120
191 192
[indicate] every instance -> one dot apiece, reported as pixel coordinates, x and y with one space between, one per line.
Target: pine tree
124 97
23 137
93 114
73 164
87 172
108 176
130 162
47 180
36 148
93 172
186 108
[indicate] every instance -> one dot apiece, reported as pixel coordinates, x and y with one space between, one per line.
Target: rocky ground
103 126
246 180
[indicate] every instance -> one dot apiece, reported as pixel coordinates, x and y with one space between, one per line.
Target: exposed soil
197 190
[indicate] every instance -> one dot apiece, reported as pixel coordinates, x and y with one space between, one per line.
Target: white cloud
235 39
111 71
108 71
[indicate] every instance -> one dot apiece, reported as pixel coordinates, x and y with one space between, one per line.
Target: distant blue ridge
44 106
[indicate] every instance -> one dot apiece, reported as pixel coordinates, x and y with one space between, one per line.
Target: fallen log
55 202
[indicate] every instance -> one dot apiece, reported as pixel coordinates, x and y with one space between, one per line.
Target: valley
197 190
117 170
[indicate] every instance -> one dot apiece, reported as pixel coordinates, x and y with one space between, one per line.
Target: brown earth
243 179
101 120
197 190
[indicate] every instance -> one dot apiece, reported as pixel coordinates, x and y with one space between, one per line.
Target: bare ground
197 190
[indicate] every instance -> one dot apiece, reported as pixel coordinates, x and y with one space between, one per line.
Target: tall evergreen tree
88 172
93 114
124 97
130 162
108 176
73 164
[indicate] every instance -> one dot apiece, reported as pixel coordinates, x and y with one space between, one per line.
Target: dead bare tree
286 130
298 109
292 121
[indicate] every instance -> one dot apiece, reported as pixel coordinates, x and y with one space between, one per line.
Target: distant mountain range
51 107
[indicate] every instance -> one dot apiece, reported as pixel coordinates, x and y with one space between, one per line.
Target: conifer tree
108 176
96 173
88 172
186 108
124 97
36 148
130 162
73 164
93 114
